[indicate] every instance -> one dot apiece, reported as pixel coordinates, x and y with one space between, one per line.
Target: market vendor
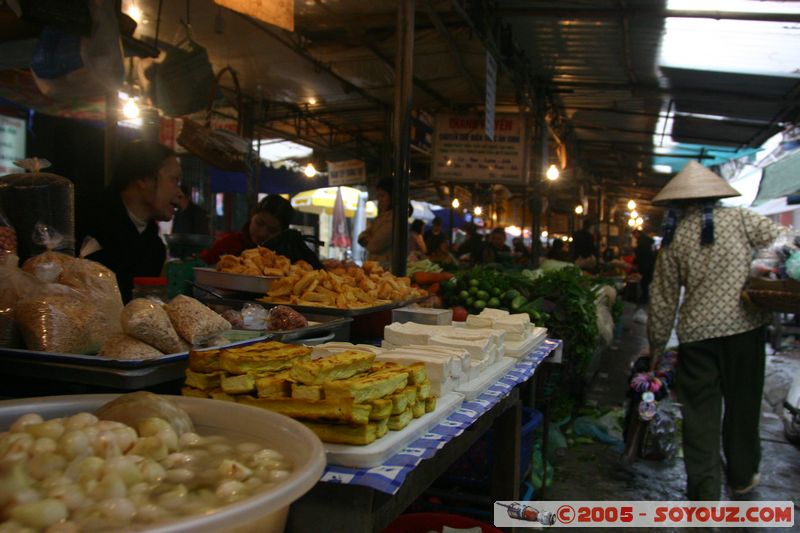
122 232
267 226
377 238
706 251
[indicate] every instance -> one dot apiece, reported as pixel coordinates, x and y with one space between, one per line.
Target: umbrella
322 201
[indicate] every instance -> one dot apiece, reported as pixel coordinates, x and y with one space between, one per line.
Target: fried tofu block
398 422
204 381
194 393
424 390
275 385
307 392
399 402
381 409
383 427
340 366
242 384
205 361
343 410
368 387
262 357
411 394
430 404
417 372
219 394
344 434
418 409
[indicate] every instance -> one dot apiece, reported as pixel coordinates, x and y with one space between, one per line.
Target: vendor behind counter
121 232
267 226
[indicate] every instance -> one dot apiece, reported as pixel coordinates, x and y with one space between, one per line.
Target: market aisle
595 472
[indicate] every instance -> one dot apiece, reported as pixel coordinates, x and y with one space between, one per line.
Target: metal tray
233 282
335 311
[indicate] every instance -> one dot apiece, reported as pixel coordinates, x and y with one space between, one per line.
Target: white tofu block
513 327
493 313
476 348
400 335
475 321
453 365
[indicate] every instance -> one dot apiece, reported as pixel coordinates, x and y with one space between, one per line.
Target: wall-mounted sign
462 152
12 144
350 172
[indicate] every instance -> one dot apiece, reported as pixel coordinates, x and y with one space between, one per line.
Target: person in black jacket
122 232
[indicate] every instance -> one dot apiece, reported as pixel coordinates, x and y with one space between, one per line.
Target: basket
219 148
474 469
776 295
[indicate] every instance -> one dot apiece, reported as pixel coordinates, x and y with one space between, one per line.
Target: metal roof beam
594 14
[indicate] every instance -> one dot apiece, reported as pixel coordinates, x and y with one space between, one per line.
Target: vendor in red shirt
268 226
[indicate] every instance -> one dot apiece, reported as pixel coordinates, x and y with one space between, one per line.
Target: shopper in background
557 251
442 254
434 236
191 218
497 251
645 261
416 243
583 246
707 251
471 250
267 226
520 252
122 232
377 238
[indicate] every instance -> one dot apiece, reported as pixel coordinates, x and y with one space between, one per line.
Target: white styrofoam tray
488 377
522 348
378 452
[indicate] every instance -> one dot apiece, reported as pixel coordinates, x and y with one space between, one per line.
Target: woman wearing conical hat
706 251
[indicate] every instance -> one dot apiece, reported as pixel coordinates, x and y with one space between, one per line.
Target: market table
353 500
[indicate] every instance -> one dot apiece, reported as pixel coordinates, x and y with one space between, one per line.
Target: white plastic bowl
263 512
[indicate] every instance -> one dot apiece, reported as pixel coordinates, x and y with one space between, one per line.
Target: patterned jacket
712 277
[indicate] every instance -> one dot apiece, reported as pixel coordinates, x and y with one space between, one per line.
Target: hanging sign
350 172
463 152
12 144
279 13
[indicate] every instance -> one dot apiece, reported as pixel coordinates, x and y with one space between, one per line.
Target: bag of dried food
47 266
14 284
193 321
122 346
8 238
146 320
56 318
99 283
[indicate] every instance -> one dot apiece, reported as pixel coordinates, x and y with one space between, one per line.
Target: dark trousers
710 372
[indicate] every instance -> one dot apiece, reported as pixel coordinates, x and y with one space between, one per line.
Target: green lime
474 283
482 295
469 301
463 295
479 305
474 291
494 303
497 291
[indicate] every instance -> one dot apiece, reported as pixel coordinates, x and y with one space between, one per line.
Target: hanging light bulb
131 109
579 209
455 203
544 234
639 221
310 171
631 222
634 214
631 204
552 173
478 211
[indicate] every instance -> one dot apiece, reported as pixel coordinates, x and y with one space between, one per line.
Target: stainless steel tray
233 282
334 311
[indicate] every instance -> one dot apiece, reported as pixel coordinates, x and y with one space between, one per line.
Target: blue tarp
715 155
273 181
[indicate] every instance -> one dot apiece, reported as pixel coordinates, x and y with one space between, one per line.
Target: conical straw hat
695 182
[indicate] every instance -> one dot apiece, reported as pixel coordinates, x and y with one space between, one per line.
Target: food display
352 288
282 318
346 398
86 472
257 261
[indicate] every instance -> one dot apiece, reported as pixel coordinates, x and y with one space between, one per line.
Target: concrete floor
595 471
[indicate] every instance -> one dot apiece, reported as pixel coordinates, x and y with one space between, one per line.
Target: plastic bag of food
98 283
193 321
254 316
136 407
48 265
282 318
122 346
14 284
60 319
8 237
146 320
234 317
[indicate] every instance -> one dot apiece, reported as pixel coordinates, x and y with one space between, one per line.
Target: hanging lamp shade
276 12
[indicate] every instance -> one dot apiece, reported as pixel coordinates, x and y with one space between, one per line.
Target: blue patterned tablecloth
391 475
